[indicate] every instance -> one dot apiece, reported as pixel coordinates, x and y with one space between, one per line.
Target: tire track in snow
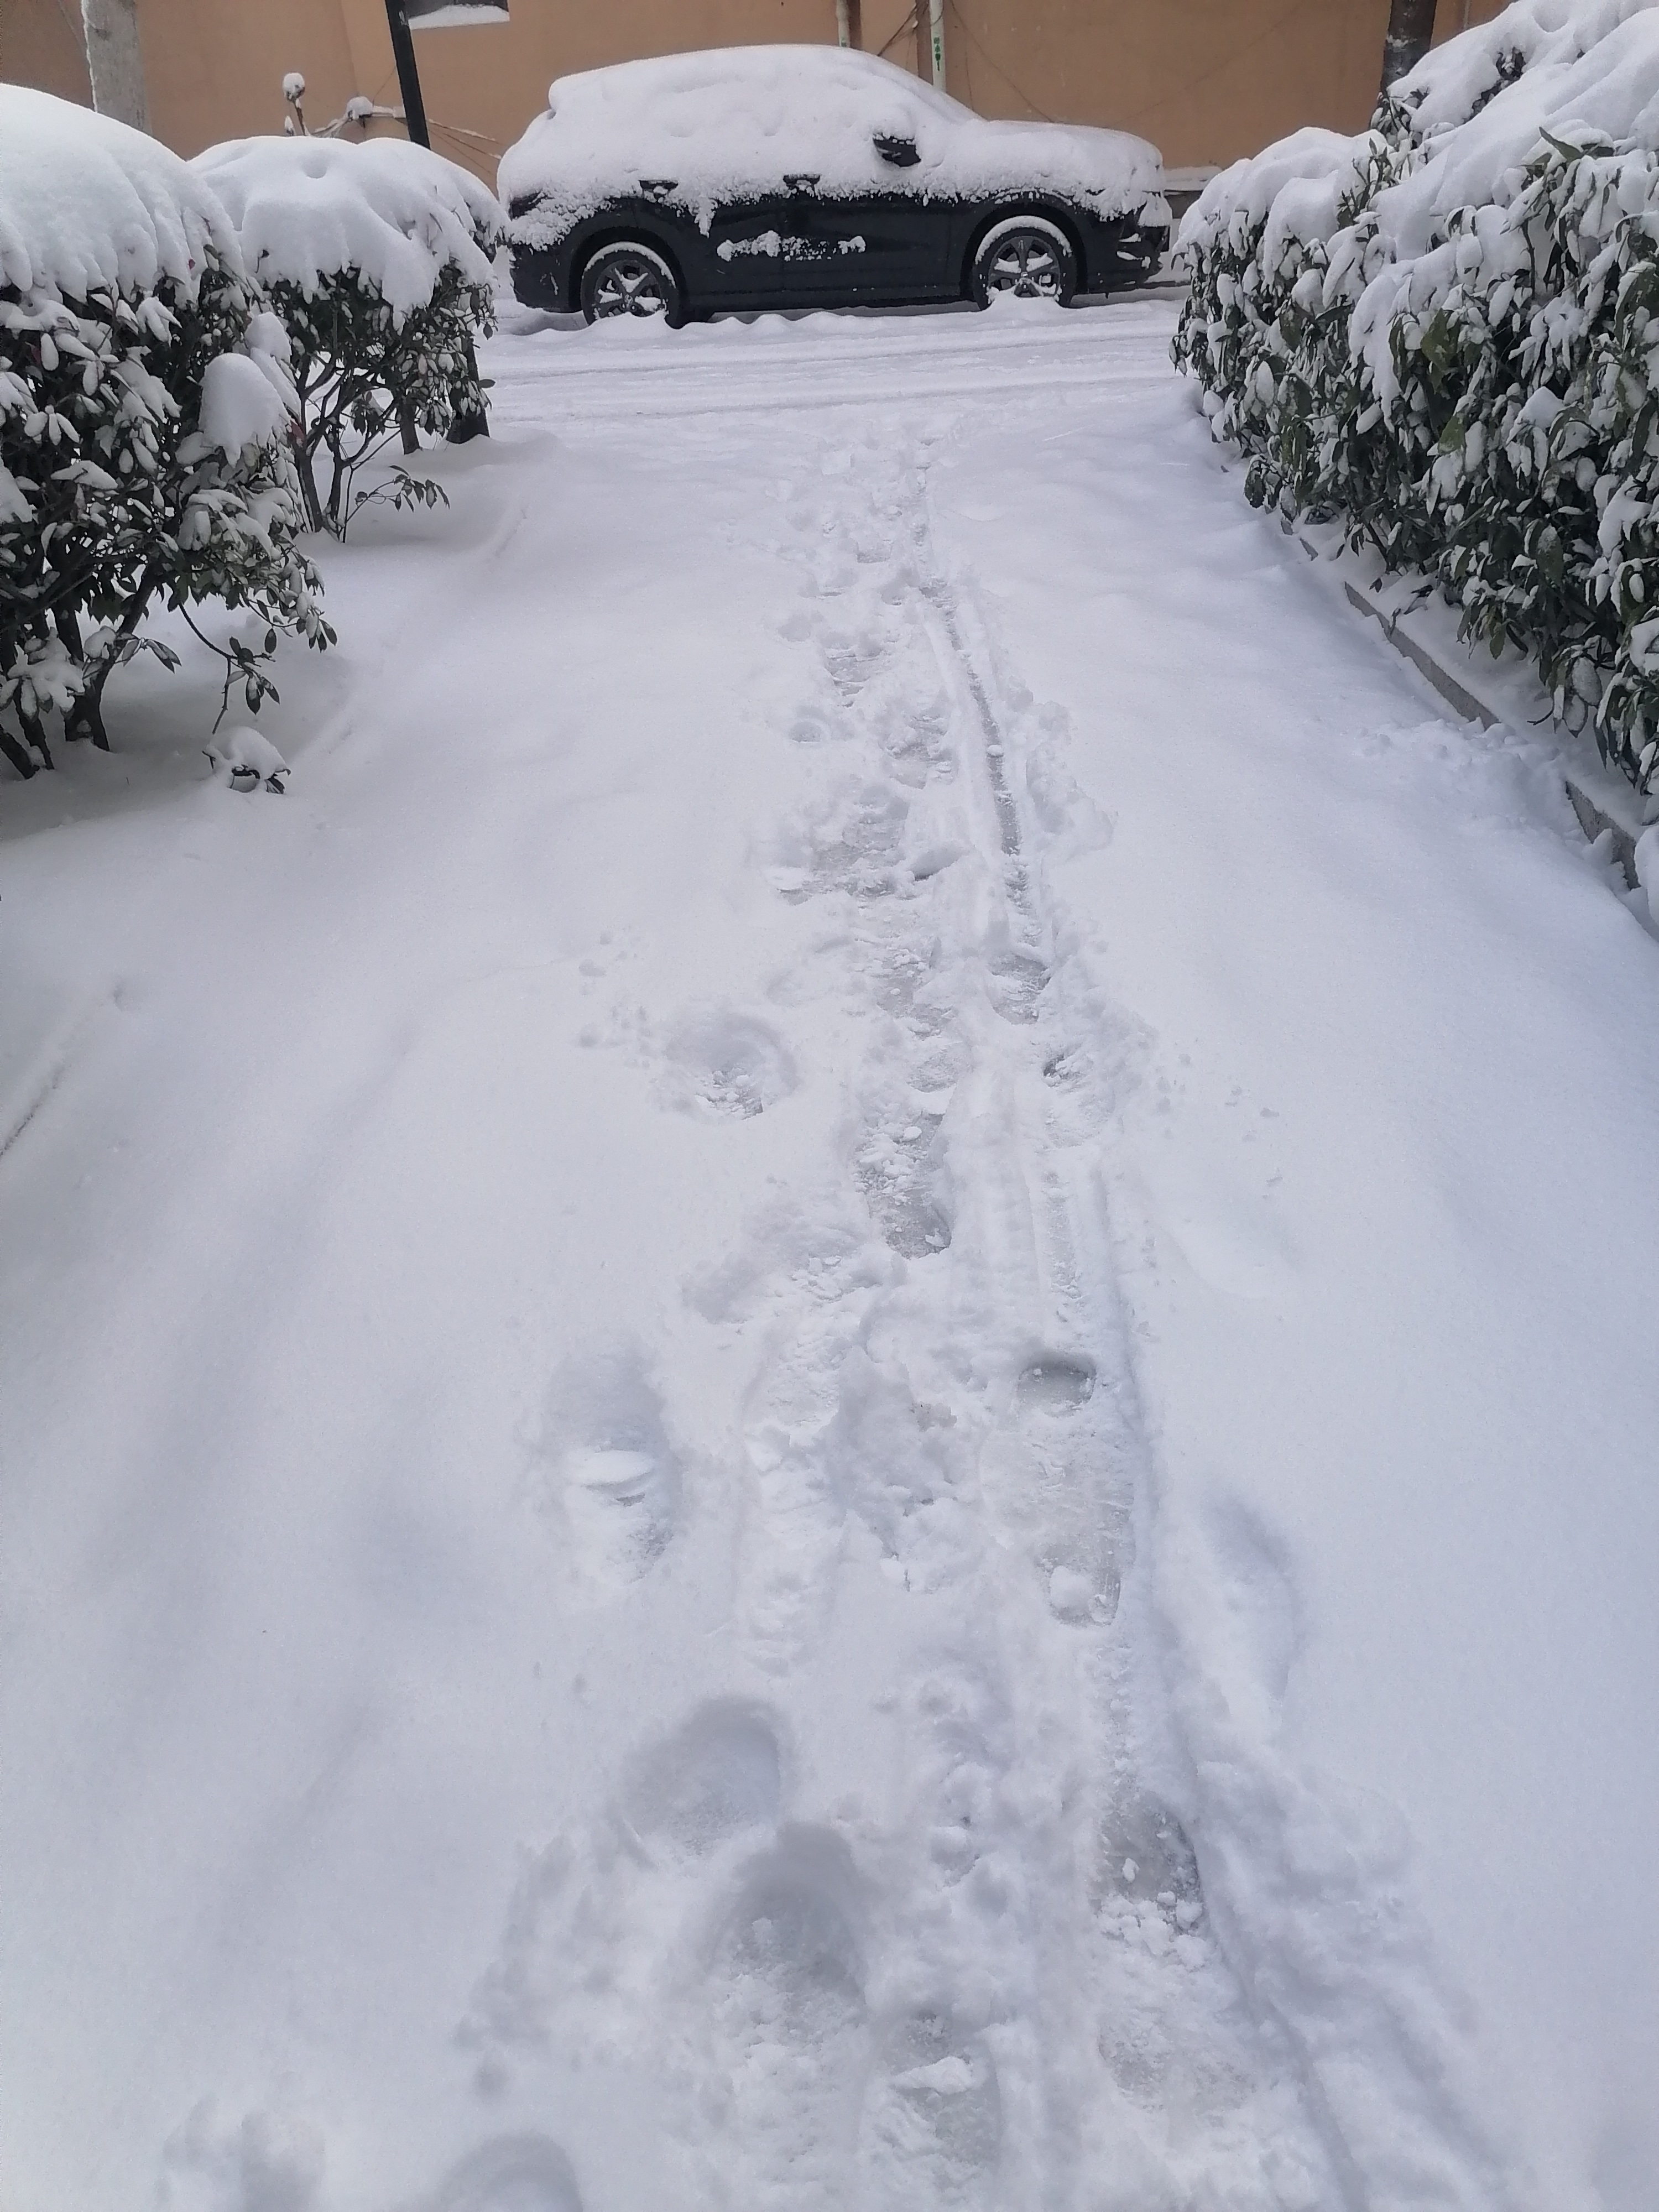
1327 2139
1039 1917
1167 2018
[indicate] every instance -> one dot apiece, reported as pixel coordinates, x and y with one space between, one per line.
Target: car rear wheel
626 278
1027 256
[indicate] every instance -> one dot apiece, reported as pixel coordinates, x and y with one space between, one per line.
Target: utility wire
908 24
992 62
1271 31
72 20
460 130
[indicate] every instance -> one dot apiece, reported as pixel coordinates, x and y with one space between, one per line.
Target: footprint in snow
719 1775
1052 1476
899 1174
610 1480
933 2120
727 1065
592 1919
851 662
514 2173
260 2159
1055 1384
855 845
1017 983
789 2029
1144 1858
814 726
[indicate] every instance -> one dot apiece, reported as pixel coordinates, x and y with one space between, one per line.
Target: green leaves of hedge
1497 430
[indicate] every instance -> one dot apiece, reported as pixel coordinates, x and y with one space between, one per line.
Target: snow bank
706 128
305 209
87 204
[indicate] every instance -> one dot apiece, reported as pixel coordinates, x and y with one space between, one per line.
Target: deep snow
839 1391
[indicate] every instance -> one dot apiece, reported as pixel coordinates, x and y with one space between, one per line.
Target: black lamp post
474 422
408 77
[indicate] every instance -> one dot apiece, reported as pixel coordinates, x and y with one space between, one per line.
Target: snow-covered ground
840 1391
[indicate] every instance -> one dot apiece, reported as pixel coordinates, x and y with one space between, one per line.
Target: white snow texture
307 208
706 129
242 406
88 203
839 1394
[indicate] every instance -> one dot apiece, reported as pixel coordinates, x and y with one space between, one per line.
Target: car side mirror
899 153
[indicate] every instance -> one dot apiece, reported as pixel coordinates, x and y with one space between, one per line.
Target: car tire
1025 255
628 277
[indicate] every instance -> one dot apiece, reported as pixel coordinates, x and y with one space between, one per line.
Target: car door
752 245
873 242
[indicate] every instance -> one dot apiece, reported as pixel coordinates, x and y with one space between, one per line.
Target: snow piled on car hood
305 209
88 204
696 131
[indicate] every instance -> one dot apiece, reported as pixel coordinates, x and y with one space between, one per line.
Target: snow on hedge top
1539 40
1479 108
1300 181
694 131
87 204
1480 105
307 208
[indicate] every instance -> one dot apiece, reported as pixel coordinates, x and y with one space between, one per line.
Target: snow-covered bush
377 257
1445 332
143 420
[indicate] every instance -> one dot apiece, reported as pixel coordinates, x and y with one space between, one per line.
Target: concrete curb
1589 803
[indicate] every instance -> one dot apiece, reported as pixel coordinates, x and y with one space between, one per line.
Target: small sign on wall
446 14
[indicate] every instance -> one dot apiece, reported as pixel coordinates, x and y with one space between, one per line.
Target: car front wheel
1027 256
626 278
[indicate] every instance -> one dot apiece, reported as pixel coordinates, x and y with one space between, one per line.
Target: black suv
810 176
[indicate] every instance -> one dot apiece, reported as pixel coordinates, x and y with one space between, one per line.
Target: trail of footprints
791 2083
839 2023
1013 2000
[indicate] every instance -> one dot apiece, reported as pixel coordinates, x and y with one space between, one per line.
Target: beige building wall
1206 80
41 44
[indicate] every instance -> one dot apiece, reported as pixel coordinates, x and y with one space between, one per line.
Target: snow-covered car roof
88 204
702 129
305 209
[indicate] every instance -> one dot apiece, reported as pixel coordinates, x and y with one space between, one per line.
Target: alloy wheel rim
630 288
1027 265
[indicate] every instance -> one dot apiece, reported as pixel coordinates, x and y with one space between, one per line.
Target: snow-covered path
839 1394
